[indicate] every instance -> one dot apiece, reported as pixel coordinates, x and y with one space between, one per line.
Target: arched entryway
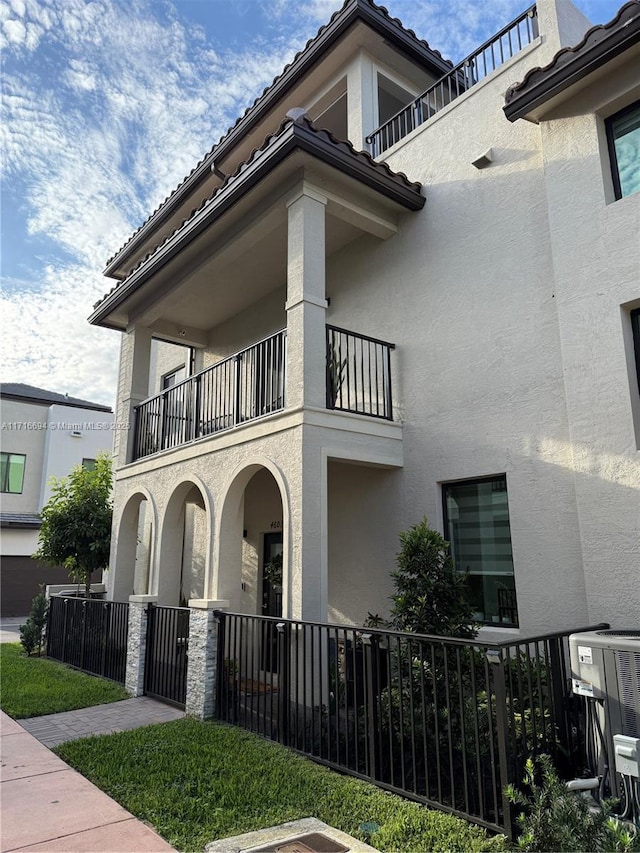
134 548
253 543
185 545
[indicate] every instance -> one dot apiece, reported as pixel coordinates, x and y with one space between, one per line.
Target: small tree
431 595
76 522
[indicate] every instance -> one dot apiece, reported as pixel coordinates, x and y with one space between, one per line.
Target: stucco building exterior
44 435
326 340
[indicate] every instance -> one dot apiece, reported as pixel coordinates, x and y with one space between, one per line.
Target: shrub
32 632
555 818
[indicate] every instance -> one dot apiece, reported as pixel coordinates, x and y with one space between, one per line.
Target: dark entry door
271 598
272 575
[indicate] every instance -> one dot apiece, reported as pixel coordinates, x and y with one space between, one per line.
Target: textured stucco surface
507 298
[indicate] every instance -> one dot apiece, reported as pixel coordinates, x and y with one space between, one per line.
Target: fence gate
165 668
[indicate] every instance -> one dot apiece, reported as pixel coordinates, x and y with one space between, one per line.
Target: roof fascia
295 137
48 402
362 10
585 62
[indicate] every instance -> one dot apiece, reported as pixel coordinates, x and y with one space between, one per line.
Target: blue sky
107 105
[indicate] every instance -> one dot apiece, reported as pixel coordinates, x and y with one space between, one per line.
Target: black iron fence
475 67
238 389
446 722
358 374
90 635
165 667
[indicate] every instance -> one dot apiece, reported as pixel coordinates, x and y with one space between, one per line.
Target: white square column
306 301
306 593
133 388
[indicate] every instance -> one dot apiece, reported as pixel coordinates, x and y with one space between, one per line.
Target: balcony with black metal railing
251 384
487 58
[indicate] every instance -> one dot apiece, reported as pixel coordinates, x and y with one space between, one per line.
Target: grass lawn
197 782
32 686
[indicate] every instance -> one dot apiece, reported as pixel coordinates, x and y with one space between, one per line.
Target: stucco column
203 657
361 107
137 643
135 355
308 587
306 301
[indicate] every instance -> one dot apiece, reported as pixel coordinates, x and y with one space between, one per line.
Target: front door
271 598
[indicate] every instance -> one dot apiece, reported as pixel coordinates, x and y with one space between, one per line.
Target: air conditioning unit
605 668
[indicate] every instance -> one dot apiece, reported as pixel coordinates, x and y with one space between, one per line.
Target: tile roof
600 43
20 519
357 7
297 132
20 391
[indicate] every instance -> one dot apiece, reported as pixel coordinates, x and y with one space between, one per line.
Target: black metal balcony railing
358 374
238 389
475 67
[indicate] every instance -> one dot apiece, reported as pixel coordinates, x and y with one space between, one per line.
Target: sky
106 106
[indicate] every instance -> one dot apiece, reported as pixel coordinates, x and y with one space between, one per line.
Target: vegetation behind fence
447 722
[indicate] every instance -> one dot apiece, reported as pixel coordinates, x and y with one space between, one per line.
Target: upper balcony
251 384
487 58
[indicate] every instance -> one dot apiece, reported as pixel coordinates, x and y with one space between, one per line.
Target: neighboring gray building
501 257
44 435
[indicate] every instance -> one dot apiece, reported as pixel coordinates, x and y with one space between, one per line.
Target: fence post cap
143 599
208 603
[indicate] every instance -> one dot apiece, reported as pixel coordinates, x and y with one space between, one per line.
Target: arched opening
134 547
252 559
184 547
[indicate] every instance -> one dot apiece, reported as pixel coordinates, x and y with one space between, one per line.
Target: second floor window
12 472
623 135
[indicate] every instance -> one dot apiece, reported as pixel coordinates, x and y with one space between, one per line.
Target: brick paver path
99 720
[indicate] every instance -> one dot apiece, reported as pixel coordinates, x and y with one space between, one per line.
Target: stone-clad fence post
203 657
137 642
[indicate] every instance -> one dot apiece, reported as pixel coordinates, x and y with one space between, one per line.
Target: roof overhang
20 521
343 21
270 171
570 67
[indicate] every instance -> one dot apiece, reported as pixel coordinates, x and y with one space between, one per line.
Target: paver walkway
54 729
47 806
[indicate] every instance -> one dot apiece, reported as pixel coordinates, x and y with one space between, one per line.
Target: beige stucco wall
595 243
503 297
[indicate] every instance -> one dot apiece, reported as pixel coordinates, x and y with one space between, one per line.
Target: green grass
32 686
197 782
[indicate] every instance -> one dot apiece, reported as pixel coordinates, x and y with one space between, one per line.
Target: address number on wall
276 525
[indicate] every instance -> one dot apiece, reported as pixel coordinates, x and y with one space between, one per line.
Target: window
635 328
171 379
623 136
12 472
476 523
89 464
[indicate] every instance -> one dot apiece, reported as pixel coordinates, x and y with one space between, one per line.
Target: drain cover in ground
313 842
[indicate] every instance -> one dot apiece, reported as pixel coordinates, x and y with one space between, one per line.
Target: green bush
32 632
555 818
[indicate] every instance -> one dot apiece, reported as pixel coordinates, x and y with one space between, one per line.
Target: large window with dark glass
12 472
476 523
635 327
623 136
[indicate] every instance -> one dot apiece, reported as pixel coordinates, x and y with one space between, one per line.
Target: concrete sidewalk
48 806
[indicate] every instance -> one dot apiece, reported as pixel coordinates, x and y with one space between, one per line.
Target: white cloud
14 31
97 129
48 343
